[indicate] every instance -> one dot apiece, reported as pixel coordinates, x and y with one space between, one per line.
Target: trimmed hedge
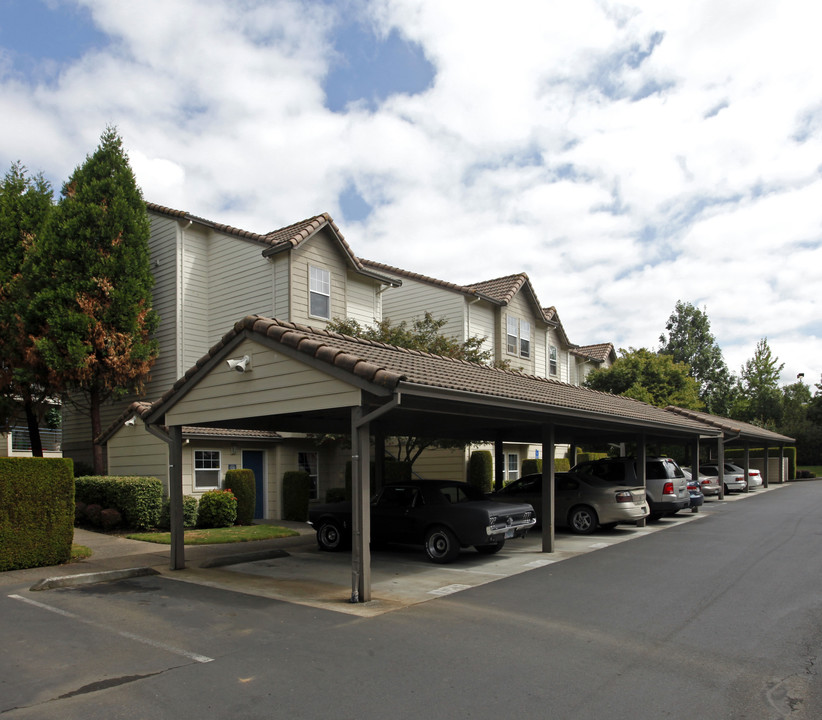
189 513
296 494
480 470
36 512
241 483
218 508
139 499
531 466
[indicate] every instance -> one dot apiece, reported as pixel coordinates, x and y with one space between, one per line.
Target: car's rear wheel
329 536
441 545
583 520
490 549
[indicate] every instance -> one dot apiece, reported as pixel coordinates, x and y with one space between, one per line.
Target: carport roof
735 429
437 394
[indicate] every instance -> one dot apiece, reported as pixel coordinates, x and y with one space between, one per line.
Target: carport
736 433
271 375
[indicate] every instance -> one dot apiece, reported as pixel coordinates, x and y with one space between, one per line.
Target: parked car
441 515
733 477
697 498
665 486
581 502
708 484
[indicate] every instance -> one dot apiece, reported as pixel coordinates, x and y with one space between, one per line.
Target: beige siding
442 464
194 296
280 267
361 300
480 323
240 283
163 247
135 451
413 299
321 252
275 384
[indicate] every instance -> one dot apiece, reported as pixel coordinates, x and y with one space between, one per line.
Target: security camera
130 421
240 365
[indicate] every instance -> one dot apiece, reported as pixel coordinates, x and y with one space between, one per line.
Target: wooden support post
175 494
641 470
360 509
547 509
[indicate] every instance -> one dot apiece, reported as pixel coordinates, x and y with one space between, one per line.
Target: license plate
509 534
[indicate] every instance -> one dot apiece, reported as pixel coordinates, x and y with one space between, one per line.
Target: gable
276 384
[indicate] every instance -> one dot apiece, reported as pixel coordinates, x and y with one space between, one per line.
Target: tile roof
733 427
503 289
390 269
405 370
597 353
282 239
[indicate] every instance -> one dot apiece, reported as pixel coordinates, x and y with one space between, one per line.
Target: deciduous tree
648 376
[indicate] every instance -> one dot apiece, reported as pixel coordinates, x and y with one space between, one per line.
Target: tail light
668 489
624 496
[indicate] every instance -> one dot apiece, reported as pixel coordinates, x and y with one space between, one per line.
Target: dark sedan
442 515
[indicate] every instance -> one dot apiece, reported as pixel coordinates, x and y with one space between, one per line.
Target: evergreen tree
760 399
648 376
93 267
25 205
689 340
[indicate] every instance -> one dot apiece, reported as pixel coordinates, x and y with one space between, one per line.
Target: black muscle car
442 515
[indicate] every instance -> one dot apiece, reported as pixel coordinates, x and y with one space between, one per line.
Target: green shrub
93 514
139 499
241 483
562 464
79 512
218 508
110 519
531 466
480 470
586 456
333 495
296 494
189 513
36 512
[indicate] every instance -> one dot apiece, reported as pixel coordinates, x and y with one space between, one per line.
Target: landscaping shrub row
36 512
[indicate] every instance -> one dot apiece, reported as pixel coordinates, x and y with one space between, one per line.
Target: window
512 467
206 469
319 295
513 331
524 339
307 462
518 337
553 364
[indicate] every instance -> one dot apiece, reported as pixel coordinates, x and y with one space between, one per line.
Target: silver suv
666 487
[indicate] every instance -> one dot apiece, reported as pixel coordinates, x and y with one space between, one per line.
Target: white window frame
512 335
208 462
511 466
304 464
518 337
524 339
553 360
319 290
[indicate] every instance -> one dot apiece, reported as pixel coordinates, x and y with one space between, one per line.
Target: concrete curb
91 578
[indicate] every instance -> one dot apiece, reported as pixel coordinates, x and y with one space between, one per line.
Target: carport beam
361 509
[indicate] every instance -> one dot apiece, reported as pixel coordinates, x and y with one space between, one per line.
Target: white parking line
121 633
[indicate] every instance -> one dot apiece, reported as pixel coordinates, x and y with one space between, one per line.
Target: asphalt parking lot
293 570
404 576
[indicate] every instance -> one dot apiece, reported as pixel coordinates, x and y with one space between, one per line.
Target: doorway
254 460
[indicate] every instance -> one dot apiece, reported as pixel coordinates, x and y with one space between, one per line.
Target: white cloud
624 155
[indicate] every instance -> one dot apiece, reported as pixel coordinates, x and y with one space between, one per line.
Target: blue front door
253 460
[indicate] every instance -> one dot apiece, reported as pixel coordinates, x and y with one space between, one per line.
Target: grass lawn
79 552
815 469
213 536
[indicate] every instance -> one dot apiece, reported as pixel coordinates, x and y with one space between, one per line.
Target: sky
625 155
